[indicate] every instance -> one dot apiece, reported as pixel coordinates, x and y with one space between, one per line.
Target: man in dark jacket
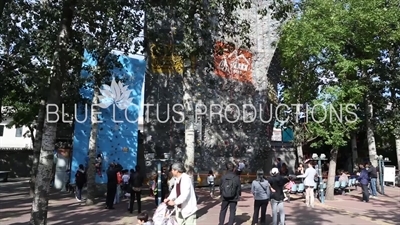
136 183
112 182
230 190
373 175
277 183
363 178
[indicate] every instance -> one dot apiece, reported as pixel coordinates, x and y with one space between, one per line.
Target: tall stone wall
216 141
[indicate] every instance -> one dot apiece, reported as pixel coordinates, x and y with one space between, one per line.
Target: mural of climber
233 63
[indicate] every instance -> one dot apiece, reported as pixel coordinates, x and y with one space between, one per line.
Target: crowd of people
178 190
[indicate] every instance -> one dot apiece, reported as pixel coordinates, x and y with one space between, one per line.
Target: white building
14 137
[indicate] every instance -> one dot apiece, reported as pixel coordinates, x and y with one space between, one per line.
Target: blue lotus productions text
231 113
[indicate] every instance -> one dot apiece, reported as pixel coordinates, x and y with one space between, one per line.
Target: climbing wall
118 131
219 141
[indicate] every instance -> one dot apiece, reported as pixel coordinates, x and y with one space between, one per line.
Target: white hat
274 171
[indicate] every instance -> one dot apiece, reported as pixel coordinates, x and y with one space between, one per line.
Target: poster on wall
163 62
276 134
233 63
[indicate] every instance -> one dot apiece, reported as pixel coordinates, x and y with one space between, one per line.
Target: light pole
320 158
159 173
381 167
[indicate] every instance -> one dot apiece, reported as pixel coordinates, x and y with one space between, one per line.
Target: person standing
277 183
278 163
230 190
373 175
309 183
111 186
240 168
182 196
364 180
210 182
80 180
260 189
136 183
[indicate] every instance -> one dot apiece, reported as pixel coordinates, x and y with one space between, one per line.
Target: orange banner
233 63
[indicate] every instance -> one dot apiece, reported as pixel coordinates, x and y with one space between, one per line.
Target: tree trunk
299 143
370 134
398 151
37 145
330 187
189 125
91 172
354 150
59 71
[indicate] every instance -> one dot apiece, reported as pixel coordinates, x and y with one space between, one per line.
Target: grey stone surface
218 142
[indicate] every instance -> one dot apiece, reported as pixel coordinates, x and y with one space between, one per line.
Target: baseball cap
274 171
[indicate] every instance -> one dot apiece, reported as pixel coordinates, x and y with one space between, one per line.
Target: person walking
136 183
373 175
80 180
277 183
309 183
260 189
240 167
111 186
182 196
210 182
364 180
230 190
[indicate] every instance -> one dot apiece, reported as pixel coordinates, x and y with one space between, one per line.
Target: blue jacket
363 178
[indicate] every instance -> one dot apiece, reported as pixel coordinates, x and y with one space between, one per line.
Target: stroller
163 216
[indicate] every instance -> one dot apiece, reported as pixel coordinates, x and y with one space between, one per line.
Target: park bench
4 175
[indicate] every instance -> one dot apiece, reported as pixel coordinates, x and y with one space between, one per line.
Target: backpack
229 187
119 178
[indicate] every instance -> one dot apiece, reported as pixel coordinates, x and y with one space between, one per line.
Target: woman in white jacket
309 183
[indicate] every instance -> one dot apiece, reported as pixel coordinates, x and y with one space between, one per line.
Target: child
152 185
125 181
288 188
210 181
143 219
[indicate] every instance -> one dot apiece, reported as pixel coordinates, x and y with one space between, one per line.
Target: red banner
233 63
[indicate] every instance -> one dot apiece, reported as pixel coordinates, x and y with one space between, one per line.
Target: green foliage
342 41
333 118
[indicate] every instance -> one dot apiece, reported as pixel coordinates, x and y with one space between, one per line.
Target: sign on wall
276 134
233 63
163 61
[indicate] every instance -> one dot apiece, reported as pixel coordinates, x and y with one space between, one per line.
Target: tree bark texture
37 145
189 125
91 171
330 187
299 144
370 134
46 160
354 150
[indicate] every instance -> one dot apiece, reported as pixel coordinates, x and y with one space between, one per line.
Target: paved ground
63 209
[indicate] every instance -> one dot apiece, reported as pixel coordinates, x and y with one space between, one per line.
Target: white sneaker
77 199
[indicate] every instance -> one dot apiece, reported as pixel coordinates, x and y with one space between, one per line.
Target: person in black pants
363 178
112 182
230 190
136 182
